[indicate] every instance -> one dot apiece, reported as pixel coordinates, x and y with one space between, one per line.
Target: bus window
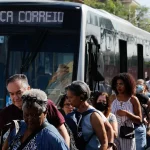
132 59
146 61
55 56
123 55
140 61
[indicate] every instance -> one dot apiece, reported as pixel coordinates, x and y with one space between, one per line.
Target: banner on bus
31 17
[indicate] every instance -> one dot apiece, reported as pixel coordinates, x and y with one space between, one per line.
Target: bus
54 43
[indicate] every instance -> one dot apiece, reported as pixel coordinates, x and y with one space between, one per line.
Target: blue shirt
47 139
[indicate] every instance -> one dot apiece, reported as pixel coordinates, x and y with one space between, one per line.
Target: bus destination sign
31 17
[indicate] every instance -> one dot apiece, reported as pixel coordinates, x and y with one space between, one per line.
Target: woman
35 133
65 105
90 126
101 102
126 107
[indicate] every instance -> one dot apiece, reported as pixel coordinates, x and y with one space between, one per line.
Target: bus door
95 62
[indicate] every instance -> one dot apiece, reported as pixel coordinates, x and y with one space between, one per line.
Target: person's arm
114 124
99 128
137 116
110 133
56 119
63 131
5 145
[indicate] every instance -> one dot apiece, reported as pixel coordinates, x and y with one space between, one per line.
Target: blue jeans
140 137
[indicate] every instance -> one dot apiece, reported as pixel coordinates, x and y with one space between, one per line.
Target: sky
144 2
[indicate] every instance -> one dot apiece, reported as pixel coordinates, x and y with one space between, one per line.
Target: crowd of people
119 121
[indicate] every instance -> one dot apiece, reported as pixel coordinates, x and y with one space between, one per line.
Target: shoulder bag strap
84 114
30 137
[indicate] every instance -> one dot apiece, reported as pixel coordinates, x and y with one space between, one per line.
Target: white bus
54 43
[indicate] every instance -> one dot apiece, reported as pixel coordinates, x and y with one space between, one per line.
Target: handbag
126 132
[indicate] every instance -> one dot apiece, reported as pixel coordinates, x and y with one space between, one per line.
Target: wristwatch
110 144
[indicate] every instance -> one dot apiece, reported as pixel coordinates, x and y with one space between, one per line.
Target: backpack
4 132
72 140
74 121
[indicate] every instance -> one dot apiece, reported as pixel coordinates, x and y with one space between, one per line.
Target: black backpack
4 132
75 126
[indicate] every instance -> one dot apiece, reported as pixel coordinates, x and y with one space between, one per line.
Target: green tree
142 20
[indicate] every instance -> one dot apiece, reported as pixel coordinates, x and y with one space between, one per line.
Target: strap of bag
88 112
90 138
29 138
84 114
8 127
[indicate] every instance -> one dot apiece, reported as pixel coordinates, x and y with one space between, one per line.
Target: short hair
62 100
16 77
129 83
36 98
78 88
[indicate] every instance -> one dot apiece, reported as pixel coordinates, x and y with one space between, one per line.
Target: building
130 2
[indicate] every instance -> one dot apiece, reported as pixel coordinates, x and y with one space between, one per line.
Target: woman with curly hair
126 107
102 103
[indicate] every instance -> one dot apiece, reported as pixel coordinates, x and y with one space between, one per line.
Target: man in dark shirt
16 85
143 99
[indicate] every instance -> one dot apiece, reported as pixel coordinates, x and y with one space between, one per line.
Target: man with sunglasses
16 85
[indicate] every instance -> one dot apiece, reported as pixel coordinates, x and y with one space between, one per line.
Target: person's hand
113 147
121 112
145 121
148 131
110 148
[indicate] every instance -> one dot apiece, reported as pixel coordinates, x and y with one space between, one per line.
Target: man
16 85
140 130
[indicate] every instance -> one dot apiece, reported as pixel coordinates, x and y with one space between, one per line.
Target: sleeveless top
120 105
87 131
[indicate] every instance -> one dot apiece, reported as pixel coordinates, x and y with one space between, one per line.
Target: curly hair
36 98
128 81
96 95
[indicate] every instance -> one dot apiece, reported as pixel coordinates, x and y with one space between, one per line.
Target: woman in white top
126 107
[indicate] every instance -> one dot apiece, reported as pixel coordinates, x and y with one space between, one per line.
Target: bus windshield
40 40
46 60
